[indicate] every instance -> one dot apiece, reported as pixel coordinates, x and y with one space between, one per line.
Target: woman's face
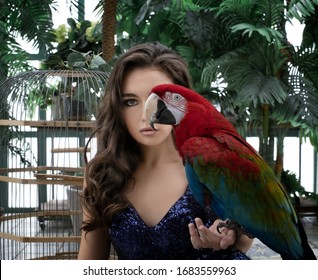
136 89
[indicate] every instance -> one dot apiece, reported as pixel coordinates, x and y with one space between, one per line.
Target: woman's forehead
140 81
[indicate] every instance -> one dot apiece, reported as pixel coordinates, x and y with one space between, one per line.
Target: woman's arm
203 237
95 244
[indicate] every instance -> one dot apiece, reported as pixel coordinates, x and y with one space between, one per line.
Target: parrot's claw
239 230
234 226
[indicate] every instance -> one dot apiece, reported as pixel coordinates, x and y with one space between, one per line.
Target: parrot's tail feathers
304 251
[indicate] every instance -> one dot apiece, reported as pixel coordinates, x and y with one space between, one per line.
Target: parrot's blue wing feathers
273 219
198 189
202 194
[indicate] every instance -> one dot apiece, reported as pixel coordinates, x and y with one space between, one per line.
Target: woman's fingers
203 237
194 237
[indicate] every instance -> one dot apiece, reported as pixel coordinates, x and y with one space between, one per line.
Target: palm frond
30 19
301 107
260 89
187 52
305 61
239 9
271 13
270 34
255 18
261 13
251 85
300 9
227 62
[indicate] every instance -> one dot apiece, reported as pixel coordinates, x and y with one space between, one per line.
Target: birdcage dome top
52 94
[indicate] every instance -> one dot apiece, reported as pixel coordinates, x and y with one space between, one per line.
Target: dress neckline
133 209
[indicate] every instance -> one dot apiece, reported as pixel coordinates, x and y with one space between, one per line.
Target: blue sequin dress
169 239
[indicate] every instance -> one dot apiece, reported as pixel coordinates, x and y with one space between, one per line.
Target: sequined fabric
169 239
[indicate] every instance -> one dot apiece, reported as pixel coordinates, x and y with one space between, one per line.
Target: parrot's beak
156 111
151 108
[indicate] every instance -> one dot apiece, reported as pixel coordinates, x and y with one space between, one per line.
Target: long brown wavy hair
110 172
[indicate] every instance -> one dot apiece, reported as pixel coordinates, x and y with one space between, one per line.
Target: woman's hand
203 237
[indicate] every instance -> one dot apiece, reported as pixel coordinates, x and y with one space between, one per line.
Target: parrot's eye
177 97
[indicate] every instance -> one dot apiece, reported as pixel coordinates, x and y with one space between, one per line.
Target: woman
136 195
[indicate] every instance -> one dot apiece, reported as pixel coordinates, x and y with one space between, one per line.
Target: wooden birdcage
46 117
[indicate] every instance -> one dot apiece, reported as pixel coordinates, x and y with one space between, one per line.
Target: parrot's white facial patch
151 107
176 104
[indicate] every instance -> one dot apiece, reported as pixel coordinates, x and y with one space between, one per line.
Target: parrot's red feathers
235 161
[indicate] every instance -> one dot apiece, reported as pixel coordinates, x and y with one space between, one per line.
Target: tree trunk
109 29
279 164
266 147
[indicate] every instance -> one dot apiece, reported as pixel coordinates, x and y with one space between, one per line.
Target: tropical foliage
238 55
240 58
295 189
32 21
78 37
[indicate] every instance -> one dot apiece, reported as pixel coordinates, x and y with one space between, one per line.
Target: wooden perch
42 213
54 124
76 182
58 176
40 238
43 168
70 150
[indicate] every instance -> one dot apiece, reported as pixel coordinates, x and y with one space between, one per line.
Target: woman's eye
130 102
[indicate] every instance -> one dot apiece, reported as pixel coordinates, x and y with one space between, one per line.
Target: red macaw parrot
226 173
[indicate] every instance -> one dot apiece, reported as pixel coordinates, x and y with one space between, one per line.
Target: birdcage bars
46 117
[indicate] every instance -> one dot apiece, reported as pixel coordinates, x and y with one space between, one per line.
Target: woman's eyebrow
128 95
